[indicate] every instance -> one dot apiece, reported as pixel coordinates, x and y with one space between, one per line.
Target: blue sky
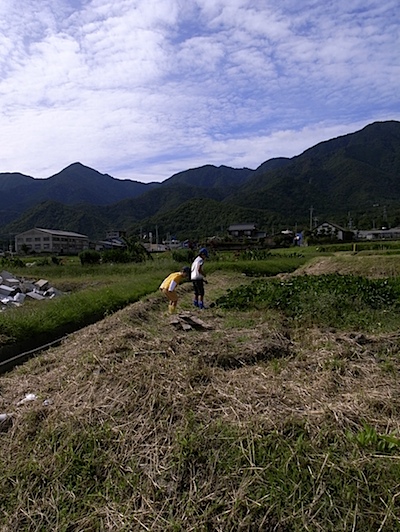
145 89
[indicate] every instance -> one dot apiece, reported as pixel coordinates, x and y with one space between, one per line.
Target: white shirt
195 274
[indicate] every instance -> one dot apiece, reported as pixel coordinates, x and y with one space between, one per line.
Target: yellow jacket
172 281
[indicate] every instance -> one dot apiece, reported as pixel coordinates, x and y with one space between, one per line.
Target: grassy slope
254 424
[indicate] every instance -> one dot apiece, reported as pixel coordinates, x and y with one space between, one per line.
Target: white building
379 234
332 230
39 240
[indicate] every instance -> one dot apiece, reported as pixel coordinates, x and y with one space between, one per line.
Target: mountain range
352 179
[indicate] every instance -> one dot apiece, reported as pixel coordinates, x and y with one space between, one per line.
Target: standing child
198 278
169 285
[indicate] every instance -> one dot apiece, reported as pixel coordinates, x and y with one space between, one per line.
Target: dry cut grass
246 425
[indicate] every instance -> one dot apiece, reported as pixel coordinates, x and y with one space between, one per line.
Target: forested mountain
201 217
95 220
357 173
210 176
78 184
74 185
352 172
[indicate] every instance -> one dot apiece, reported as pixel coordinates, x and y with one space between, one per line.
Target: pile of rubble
14 291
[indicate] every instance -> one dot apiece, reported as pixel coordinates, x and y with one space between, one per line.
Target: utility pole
311 217
350 221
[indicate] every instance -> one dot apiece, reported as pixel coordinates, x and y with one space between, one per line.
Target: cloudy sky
142 89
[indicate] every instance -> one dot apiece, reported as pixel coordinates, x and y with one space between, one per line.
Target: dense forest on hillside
352 180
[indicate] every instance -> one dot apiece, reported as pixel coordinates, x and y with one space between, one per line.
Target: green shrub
119 256
255 254
12 262
89 256
135 252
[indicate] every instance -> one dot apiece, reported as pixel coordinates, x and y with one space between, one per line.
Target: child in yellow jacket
169 285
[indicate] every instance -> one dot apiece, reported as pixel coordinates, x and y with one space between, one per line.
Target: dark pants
198 287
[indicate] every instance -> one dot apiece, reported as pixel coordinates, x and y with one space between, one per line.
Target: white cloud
142 90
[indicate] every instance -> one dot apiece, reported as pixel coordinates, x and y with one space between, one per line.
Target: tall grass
75 309
93 292
264 479
268 267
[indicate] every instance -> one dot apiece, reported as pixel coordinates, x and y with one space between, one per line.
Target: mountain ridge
352 172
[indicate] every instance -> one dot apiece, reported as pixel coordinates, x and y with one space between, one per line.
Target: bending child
169 285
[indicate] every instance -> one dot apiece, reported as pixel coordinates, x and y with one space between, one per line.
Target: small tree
136 251
25 249
89 256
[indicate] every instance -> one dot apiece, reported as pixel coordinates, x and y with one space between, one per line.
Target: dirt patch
353 264
234 352
324 265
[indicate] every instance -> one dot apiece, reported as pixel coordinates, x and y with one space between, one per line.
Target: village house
379 234
334 231
39 240
115 239
248 230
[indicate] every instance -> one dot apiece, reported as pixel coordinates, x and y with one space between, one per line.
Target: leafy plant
119 256
369 438
330 299
89 256
12 262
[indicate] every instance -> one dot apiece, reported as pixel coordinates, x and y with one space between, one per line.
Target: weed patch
331 300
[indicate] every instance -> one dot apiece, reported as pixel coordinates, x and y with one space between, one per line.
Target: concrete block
42 284
10 281
35 295
19 298
8 291
27 286
6 274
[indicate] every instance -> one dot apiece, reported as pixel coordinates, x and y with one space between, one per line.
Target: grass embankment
93 297
268 419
